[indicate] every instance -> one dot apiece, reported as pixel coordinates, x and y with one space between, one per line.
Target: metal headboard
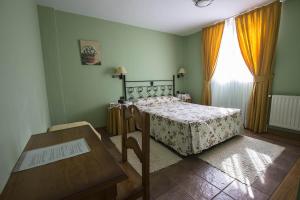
148 88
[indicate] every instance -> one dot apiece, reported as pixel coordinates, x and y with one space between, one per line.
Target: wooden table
93 175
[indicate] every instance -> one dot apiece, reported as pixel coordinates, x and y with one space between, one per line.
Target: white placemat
42 156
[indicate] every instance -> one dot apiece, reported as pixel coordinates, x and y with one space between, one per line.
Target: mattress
189 128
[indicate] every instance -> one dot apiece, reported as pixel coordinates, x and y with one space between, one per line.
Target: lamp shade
120 70
181 70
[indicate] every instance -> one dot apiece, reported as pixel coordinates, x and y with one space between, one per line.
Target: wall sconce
181 72
120 72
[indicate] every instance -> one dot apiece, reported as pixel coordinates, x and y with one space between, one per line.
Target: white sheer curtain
232 81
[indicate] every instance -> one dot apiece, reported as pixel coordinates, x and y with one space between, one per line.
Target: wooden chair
136 186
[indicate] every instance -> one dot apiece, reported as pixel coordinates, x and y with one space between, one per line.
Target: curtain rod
241 13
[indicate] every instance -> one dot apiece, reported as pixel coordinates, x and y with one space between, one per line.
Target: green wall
78 92
192 60
287 61
23 102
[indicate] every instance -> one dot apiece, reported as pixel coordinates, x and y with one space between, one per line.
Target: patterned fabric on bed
191 128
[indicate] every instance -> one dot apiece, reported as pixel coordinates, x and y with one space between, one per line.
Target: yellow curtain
257 36
211 40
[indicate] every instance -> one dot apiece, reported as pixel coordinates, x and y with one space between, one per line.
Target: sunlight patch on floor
243 158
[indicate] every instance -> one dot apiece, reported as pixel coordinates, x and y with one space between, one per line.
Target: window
232 81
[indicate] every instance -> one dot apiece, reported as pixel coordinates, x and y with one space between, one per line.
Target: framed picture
89 52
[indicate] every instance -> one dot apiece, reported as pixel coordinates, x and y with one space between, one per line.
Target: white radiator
285 112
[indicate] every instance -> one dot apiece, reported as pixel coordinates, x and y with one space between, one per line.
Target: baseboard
285 130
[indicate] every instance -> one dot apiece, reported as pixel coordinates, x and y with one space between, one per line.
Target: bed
185 127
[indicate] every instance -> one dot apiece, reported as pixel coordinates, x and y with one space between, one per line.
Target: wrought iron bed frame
151 87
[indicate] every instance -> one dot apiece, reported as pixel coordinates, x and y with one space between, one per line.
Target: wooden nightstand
188 100
115 122
185 98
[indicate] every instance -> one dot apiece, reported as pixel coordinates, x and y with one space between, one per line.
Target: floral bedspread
191 128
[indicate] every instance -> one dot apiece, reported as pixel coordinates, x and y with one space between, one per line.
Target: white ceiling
179 17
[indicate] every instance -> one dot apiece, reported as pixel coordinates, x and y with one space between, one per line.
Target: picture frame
89 52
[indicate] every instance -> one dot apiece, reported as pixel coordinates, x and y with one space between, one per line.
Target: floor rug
242 157
160 156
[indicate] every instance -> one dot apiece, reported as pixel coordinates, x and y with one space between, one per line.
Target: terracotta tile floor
195 179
